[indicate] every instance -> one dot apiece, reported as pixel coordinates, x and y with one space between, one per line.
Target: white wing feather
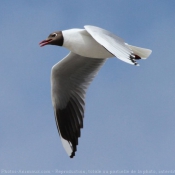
69 81
112 43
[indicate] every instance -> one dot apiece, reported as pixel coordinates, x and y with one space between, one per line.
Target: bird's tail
141 52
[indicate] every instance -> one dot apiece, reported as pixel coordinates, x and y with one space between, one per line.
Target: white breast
81 42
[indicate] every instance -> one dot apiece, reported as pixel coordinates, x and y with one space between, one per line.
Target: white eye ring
54 34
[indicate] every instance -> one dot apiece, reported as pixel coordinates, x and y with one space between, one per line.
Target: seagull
89 49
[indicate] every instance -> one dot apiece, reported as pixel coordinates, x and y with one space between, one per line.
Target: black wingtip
133 58
137 57
72 155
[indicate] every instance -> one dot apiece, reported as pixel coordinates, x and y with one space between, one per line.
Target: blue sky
130 111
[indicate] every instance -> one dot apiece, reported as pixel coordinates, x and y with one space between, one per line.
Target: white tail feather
141 52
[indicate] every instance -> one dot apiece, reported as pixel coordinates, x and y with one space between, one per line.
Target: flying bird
89 49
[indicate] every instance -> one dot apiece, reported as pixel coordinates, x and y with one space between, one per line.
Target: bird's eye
53 35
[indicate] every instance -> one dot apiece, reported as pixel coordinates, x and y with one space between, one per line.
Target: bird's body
89 49
79 41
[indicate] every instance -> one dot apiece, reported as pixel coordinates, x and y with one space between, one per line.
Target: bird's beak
45 42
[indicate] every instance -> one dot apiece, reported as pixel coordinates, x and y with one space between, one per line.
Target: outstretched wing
112 43
69 80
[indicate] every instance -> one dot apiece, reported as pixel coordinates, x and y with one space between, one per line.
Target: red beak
44 42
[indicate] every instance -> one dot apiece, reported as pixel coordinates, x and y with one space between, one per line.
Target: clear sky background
130 111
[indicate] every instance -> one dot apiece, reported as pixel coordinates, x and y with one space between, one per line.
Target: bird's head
55 38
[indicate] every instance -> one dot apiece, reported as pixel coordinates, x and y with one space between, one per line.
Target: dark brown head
55 38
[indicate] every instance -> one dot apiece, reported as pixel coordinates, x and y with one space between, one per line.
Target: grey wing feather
112 43
69 80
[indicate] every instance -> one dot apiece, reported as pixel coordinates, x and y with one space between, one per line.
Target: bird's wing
69 80
112 43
